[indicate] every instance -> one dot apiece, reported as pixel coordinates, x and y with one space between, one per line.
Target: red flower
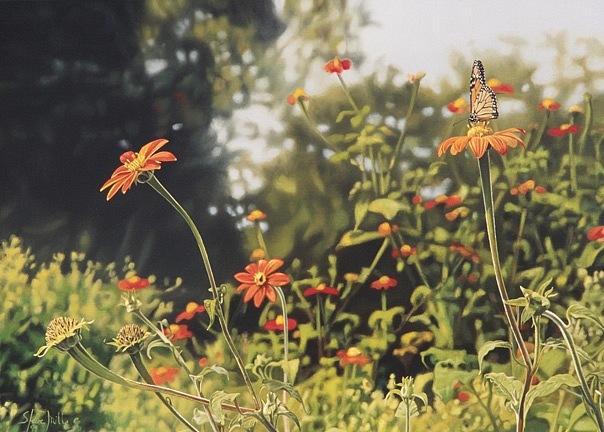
279 324
178 332
563 130
256 215
147 159
548 104
259 279
133 283
466 252
596 234
458 106
417 199
458 212
297 96
163 374
190 311
384 283
320 289
406 250
500 87
463 397
540 190
452 200
353 356
337 66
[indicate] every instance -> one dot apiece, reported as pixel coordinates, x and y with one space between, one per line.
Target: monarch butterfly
483 102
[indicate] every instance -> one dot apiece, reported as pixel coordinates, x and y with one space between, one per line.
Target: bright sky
423 34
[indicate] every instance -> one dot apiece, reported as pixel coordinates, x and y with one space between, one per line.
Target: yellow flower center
320 287
353 352
135 164
191 306
384 280
479 130
260 278
279 320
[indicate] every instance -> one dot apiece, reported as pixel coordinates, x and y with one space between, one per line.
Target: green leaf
213 369
506 386
549 386
210 306
292 417
339 157
401 411
343 114
353 238
360 210
386 207
419 295
217 399
384 318
490 346
578 311
276 386
512 208
589 255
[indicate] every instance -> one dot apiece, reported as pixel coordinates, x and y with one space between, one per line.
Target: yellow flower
479 138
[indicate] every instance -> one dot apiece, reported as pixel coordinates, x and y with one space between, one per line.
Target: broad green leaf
217 399
384 318
549 386
339 157
401 411
490 346
360 210
292 417
353 238
512 208
419 294
578 311
589 255
386 207
506 386
277 386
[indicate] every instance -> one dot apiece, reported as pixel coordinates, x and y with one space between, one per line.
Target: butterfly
483 102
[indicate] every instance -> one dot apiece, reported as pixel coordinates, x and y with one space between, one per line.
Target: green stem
314 127
137 361
401 138
374 179
408 415
319 327
516 255
540 131
587 123
159 188
285 350
347 92
491 416
260 237
572 164
384 304
593 408
484 166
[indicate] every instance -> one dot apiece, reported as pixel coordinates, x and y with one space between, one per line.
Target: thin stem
491 416
314 127
572 164
137 361
260 237
347 92
516 255
384 301
593 408
285 349
159 188
319 326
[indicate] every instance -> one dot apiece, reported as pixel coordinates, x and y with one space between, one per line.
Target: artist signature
43 420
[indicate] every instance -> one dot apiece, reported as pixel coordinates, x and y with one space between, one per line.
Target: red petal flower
320 289
279 324
466 252
178 332
163 374
596 234
147 159
458 106
337 66
548 104
133 283
563 130
259 279
384 283
500 87
297 96
190 311
353 356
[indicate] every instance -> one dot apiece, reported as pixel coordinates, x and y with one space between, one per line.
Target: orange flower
256 215
563 130
407 250
279 324
453 200
480 137
257 254
259 279
384 229
133 283
500 87
353 356
320 289
540 190
384 283
463 397
297 96
163 374
190 311
466 252
596 234
337 66
458 212
178 332
548 104
417 199
458 106
147 159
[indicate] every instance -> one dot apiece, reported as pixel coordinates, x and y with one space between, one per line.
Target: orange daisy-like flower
407 250
353 356
259 279
337 66
297 96
279 324
596 234
563 130
417 199
465 251
190 311
458 106
178 332
479 138
320 289
384 283
256 215
458 212
163 374
549 104
384 229
499 87
133 283
147 159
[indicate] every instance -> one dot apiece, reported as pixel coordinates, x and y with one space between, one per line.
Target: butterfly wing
483 102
